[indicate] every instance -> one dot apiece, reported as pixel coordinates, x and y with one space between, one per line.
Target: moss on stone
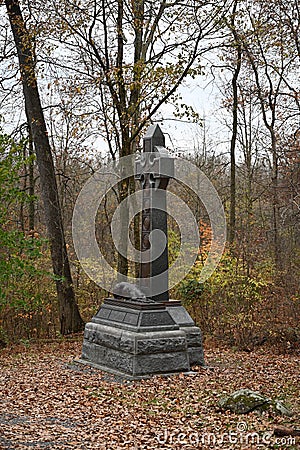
244 401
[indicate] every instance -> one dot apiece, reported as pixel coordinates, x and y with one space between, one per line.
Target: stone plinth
139 339
193 334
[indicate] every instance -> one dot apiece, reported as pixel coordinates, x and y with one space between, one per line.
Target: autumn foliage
50 402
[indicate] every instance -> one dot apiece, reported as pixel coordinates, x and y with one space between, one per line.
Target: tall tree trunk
232 212
129 124
24 188
70 319
123 187
31 220
275 202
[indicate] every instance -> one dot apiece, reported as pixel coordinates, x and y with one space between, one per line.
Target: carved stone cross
154 168
132 336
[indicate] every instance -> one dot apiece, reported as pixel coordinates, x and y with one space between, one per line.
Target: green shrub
21 295
230 305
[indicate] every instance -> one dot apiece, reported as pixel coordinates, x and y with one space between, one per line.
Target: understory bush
241 310
26 300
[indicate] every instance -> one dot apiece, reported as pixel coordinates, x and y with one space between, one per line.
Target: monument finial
152 138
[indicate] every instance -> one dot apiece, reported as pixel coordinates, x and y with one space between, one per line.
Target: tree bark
123 187
272 94
70 319
232 212
126 97
31 221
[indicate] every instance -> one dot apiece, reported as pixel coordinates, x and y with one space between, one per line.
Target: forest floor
47 402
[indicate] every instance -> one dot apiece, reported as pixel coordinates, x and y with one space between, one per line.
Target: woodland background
80 83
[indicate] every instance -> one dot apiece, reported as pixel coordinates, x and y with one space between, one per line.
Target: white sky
205 101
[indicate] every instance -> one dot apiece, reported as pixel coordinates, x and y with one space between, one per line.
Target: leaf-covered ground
49 403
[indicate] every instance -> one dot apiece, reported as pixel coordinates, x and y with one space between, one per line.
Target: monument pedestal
145 336
139 339
193 333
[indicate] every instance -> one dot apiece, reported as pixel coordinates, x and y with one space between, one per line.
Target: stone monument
140 331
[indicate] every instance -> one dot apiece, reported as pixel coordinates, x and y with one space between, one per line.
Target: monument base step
137 340
124 376
193 333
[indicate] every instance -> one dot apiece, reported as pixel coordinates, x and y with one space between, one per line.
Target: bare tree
237 47
70 319
130 59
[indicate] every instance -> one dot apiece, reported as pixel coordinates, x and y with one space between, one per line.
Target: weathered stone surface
117 316
193 334
161 344
196 356
161 363
93 352
154 167
123 337
103 313
135 364
280 408
109 337
138 335
135 353
108 357
179 314
244 401
151 319
135 316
